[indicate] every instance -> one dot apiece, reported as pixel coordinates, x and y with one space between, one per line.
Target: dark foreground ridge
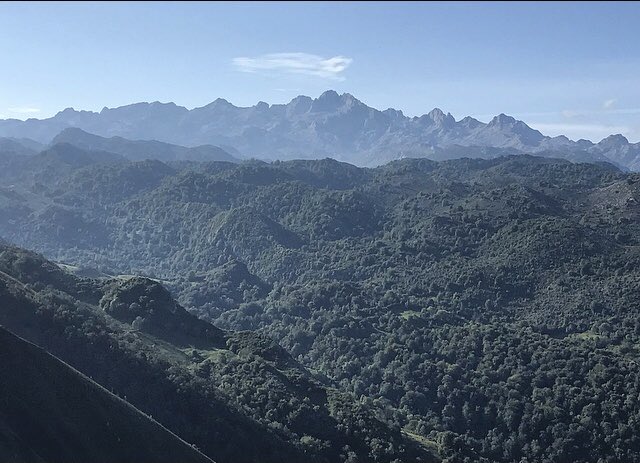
53 413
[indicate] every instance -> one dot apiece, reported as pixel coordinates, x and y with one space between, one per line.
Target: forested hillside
487 308
236 396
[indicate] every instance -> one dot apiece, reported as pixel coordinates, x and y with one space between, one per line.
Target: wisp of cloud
25 110
296 63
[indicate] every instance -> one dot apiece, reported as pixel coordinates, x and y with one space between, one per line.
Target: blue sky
571 68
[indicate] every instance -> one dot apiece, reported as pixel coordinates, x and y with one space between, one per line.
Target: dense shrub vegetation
488 308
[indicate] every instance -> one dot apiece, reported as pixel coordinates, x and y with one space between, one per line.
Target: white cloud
608 104
569 113
24 110
296 63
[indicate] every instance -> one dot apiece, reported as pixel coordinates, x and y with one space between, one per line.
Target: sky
564 68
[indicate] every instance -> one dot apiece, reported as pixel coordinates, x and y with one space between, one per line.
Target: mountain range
332 125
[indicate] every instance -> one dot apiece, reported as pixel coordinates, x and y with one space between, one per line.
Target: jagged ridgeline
485 309
338 126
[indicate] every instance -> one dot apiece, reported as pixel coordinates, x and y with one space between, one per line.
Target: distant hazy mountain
22 146
53 163
138 150
338 126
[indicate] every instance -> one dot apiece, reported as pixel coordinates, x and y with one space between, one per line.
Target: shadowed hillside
53 413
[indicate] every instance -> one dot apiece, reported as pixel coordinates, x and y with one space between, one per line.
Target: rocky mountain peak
329 101
470 122
502 120
614 141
